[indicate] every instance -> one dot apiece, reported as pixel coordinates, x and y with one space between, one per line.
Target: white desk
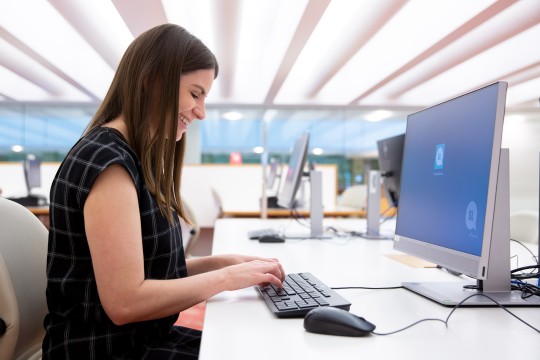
238 325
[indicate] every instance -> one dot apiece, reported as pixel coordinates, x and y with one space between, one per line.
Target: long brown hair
145 91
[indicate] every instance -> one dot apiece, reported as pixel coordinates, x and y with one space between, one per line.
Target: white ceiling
347 53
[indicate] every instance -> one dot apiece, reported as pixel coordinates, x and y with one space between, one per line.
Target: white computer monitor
295 171
454 197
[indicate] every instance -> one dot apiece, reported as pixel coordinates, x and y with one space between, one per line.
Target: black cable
454 309
527 289
296 215
529 275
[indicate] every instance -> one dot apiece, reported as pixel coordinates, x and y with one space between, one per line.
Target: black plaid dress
77 327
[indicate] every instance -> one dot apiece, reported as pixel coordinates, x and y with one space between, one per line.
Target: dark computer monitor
32 177
390 156
454 197
32 172
295 171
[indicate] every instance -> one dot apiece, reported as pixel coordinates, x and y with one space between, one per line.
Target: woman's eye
195 96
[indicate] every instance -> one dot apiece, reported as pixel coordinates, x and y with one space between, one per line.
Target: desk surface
249 213
39 210
238 325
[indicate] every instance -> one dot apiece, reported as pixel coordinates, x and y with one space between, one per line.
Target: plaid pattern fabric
77 327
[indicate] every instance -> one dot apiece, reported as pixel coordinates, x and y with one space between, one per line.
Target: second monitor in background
32 177
390 158
295 172
273 182
287 197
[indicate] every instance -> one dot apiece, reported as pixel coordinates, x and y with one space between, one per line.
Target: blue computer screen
445 172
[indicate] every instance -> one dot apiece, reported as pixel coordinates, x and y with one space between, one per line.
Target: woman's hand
253 271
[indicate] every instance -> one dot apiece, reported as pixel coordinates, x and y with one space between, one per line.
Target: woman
117 274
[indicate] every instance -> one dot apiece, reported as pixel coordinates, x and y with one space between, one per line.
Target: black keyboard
301 292
256 234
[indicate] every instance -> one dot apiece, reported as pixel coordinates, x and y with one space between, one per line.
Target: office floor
203 247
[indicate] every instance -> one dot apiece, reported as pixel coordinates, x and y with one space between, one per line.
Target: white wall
12 181
523 140
238 186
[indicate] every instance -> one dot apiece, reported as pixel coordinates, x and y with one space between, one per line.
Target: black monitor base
271 202
31 200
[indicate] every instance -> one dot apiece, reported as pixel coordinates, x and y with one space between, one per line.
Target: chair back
354 197
190 233
23 280
524 226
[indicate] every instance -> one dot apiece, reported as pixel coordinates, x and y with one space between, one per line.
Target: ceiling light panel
196 17
417 27
325 46
489 66
100 24
266 30
22 66
50 35
20 89
524 93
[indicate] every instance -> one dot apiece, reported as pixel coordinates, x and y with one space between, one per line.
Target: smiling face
194 88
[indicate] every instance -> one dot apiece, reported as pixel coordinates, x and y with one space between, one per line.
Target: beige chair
218 203
524 226
353 197
23 256
190 233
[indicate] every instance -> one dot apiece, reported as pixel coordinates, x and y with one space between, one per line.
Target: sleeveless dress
77 327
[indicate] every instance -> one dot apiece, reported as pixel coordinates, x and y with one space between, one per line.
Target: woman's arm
112 223
209 263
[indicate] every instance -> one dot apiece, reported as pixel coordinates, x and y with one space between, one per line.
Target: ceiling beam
93 28
467 27
311 17
5 97
10 38
359 34
140 16
226 17
519 23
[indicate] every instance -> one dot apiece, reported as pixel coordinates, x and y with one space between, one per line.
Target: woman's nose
200 112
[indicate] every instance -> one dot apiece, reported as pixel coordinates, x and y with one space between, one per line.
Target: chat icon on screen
439 156
471 214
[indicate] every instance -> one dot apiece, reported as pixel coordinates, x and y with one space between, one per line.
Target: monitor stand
315 211
374 208
497 284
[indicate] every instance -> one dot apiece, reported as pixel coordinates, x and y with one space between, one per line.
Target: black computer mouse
271 239
334 321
